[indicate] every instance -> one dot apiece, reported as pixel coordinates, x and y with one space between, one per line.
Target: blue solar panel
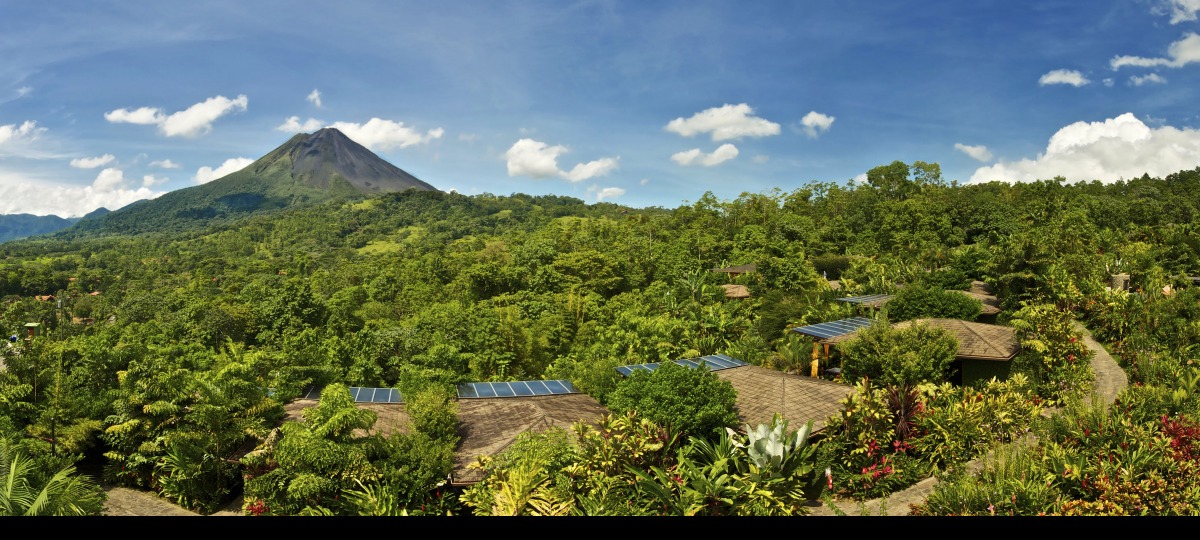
313 393
831 329
521 388
515 389
484 389
467 390
502 389
713 362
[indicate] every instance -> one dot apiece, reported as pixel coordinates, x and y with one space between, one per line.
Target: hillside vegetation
175 349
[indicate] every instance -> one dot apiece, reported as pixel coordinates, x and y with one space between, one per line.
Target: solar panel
713 362
866 298
515 389
521 388
831 329
502 389
313 393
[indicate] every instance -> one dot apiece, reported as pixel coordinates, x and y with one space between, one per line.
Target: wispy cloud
205 175
723 153
293 125
93 162
314 97
727 122
1179 54
1180 10
380 134
979 152
191 122
1063 76
1152 78
1116 148
536 159
165 164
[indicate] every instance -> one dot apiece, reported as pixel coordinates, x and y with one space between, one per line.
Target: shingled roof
488 426
762 392
976 341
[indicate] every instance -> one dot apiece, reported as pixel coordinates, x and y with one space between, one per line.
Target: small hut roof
762 392
487 426
739 269
991 304
976 341
736 291
868 300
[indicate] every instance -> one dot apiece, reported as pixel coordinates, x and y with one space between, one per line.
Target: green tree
685 400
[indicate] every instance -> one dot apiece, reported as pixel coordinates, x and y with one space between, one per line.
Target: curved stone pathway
1110 380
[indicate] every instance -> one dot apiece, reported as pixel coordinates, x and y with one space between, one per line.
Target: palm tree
65 494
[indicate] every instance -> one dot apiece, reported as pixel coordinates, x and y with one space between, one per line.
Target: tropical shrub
1053 355
898 356
922 301
686 401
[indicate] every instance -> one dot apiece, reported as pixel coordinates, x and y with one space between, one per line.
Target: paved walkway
1110 381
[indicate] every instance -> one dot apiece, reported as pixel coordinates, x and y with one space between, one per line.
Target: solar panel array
515 389
362 394
866 298
831 329
714 362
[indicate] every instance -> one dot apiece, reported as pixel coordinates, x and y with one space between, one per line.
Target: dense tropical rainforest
164 359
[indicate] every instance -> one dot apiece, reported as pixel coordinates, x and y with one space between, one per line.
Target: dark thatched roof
762 392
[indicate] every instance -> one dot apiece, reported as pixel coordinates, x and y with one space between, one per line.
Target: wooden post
816 358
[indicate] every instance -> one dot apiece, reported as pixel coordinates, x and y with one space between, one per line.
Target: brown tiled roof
762 392
736 291
976 341
991 305
487 426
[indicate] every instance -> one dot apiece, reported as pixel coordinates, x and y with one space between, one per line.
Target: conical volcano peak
318 158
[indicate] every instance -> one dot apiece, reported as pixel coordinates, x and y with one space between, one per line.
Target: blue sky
638 103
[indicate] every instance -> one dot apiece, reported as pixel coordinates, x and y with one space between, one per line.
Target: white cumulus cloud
142 115
380 134
723 153
1152 78
978 152
190 122
1181 53
727 122
293 125
92 162
1121 147
816 123
536 159
314 97
165 164
1063 76
205 175
21 194
606 193
27 130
